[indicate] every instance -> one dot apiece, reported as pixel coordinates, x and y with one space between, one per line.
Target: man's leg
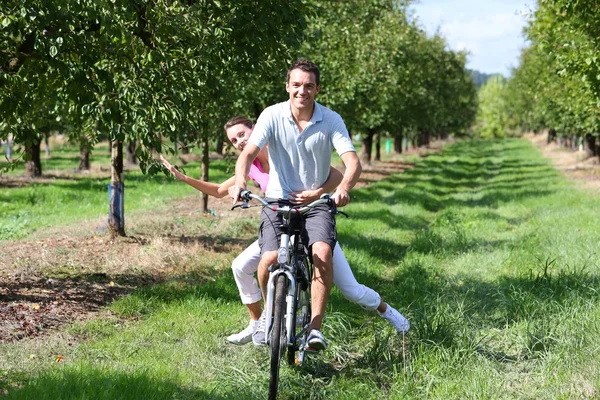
321 282
260 335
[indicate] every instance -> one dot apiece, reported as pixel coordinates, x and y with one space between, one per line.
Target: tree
492 116
136 69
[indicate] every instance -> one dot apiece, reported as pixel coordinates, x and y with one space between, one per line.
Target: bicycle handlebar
246 196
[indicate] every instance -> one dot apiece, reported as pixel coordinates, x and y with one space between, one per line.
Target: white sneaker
316 340
396 319
244 336
259 336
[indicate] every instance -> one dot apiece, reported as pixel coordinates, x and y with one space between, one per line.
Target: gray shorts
319 223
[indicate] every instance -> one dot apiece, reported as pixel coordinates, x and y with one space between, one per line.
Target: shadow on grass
451 179
94 383
445 310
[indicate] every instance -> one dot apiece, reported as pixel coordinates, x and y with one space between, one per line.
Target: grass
486 248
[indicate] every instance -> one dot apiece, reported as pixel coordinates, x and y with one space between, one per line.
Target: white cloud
491 31
489 27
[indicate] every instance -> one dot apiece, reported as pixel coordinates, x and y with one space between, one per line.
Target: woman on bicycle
238 130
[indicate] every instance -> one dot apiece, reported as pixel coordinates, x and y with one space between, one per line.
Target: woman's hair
240 119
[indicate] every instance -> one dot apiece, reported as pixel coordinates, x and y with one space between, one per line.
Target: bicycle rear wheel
278 334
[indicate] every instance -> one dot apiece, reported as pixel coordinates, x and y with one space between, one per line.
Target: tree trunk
551 135
116 215
184 148
33 165
398 142
378 147
46 146
421 138
367 144
84 154
130 152
204 177
8 147
257 111
220 145
592 147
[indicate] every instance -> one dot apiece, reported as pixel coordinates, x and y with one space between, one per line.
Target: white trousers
246 264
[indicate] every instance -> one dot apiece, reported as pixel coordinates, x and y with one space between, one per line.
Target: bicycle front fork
289 309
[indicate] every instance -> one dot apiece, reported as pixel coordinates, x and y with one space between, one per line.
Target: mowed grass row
485 247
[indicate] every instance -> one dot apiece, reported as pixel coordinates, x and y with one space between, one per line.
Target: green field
487 249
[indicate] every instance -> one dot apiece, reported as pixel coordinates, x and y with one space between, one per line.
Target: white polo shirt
299 161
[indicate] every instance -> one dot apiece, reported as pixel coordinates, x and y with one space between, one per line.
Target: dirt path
574 164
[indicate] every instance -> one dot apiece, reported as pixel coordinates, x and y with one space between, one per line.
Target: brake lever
243 205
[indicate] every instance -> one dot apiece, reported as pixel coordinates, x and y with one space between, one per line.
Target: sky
490 30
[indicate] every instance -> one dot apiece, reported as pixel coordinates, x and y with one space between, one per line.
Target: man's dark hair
307 66
240 119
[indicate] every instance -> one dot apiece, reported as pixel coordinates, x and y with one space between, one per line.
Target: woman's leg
362 295
244 266
344 279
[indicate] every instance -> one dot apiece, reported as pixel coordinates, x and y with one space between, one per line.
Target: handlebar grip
245 195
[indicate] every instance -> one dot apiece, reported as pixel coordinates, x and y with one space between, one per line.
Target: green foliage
492 116
381 72
134 70
557 84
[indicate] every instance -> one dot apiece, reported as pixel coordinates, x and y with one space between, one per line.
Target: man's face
302 88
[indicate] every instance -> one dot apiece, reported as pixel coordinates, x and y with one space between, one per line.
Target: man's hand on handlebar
341 197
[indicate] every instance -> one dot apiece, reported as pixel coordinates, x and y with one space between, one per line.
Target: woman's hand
305 197
171 168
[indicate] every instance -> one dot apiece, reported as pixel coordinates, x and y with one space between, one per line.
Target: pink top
258 174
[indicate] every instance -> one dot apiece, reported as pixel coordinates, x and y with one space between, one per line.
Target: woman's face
238 135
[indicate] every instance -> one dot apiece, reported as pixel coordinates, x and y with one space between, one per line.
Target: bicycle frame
290 263
286 253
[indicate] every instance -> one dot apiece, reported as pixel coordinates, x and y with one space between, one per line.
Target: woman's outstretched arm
209 188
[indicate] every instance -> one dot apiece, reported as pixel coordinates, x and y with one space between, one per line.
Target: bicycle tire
302 311
278 334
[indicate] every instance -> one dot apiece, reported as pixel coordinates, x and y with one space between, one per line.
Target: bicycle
287 304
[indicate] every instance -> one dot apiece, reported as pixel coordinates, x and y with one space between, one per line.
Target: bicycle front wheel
278 334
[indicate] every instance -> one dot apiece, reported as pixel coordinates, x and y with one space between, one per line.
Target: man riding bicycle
301 135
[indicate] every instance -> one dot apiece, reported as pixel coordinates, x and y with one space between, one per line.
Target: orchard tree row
138 72
557 84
